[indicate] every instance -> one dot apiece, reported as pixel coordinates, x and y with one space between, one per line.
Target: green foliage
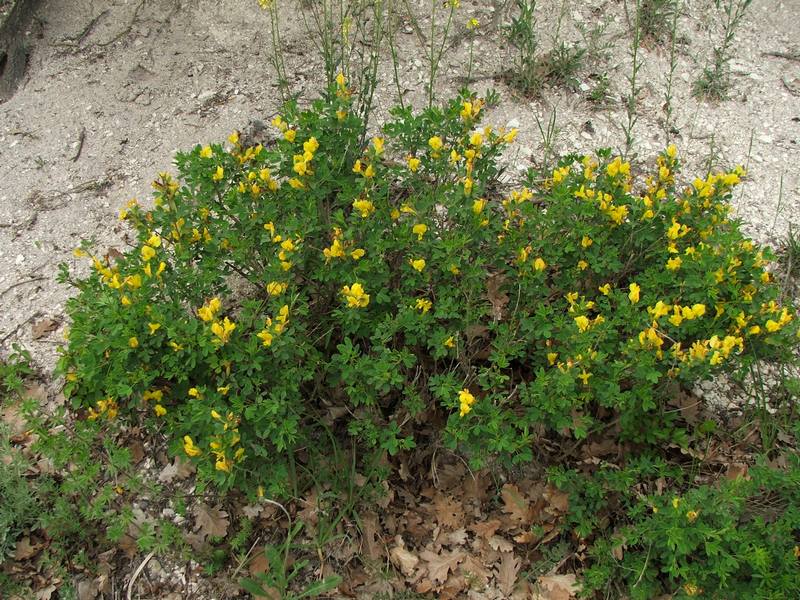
736 539
13 371
714 81
19 501
656 19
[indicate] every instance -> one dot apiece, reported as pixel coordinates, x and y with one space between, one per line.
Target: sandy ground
115 87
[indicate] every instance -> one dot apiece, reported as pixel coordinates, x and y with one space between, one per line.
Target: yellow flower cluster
302 162
337 249
105 408
423 305
465 400
190 448
272 329
222 330
229 440
355 295
209 310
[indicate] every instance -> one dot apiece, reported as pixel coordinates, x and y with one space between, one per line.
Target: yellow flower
449 342
478 206
266 337
133 342
355 296
364 207
435 143
466 400
190 448
218 174
418 264
209 310
633 295
423 304
289 135
156 395
147 253
584 376
674 263
206 152
676 502
772 326
583 265
472 24
223 330
551 358
154 327
159 410
510 136
175 346
476 139
413 164
234 137
276 288
419 229
691 589
194 392
605 289
222 464
377 143
296 183
586 241
335 250
582 322
358 253
539 264
692 515
369 172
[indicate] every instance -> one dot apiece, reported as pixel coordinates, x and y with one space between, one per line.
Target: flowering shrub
389 284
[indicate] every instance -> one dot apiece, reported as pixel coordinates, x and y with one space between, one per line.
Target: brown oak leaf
211 522
514 503
556 587
449 512
507 572
439 565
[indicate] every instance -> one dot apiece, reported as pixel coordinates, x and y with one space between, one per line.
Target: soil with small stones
113 88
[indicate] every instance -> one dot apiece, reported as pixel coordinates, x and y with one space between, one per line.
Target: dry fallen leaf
556 587
457 537
370 533
404 560
259 564
486 529
25 550
497 298
507 572
449 512
500 544
559 501
439 565
514 503
43 327
211 522
474 571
